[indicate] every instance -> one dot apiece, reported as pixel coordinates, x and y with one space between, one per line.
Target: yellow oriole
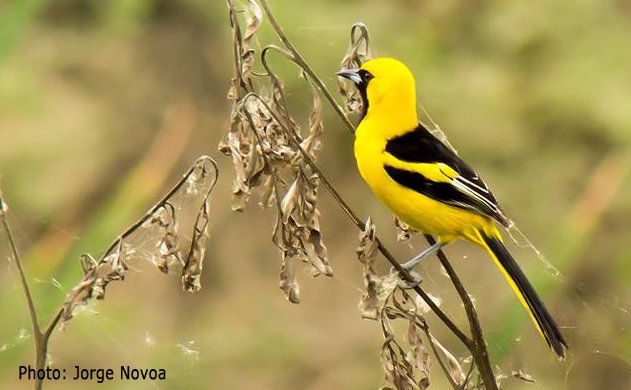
427 185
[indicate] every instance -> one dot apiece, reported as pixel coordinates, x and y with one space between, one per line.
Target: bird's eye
367 76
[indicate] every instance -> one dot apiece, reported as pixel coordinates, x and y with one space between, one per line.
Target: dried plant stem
480 354
162 203
40 340
432 346
303 64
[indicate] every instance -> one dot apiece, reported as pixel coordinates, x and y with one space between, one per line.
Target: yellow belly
422 213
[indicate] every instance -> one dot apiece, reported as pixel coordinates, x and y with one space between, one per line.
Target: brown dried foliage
268 153
358 52
385 300
157 237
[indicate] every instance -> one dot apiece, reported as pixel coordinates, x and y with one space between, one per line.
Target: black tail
527 295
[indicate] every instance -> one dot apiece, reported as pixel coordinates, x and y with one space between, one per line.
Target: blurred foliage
535 94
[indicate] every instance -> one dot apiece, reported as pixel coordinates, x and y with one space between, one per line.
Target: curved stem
303 64
39 345
163 201
482 356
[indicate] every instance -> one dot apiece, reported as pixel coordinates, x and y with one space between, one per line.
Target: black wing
467 191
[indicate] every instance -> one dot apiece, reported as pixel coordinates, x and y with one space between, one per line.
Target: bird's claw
406 283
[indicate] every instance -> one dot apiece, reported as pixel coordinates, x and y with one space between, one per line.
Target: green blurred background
104 104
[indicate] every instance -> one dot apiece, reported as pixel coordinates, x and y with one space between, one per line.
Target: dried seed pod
78 295
404 368
168 246
311 143
287 281
191 273
377 288
454 367
253 24
418 355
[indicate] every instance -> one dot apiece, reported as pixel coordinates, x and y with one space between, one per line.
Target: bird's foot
408 283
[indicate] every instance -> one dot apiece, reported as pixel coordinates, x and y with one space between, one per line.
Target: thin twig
481 356
39 345
452 381
303 64
41 339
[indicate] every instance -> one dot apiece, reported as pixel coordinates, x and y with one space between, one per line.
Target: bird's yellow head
388 90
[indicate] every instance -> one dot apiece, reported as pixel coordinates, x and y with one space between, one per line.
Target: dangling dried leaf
418 355
367 249
191 273
455 369
288 277
311 144
366 253
404 368
168 248
403 230
377 288
297 232
357 54
239 142
396 369
253 23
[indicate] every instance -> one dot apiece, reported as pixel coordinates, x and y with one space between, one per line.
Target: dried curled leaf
239 142
288 281
403 230
404 368
377 288
259 149
268 151
311 143
454 367
192 270
418 355
357 54
165 219
297 231
254 20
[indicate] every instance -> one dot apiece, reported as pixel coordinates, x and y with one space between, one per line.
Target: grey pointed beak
350 74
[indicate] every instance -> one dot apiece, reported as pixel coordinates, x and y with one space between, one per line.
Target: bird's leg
418 258
409 266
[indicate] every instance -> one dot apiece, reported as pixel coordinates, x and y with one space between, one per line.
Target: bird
427 185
